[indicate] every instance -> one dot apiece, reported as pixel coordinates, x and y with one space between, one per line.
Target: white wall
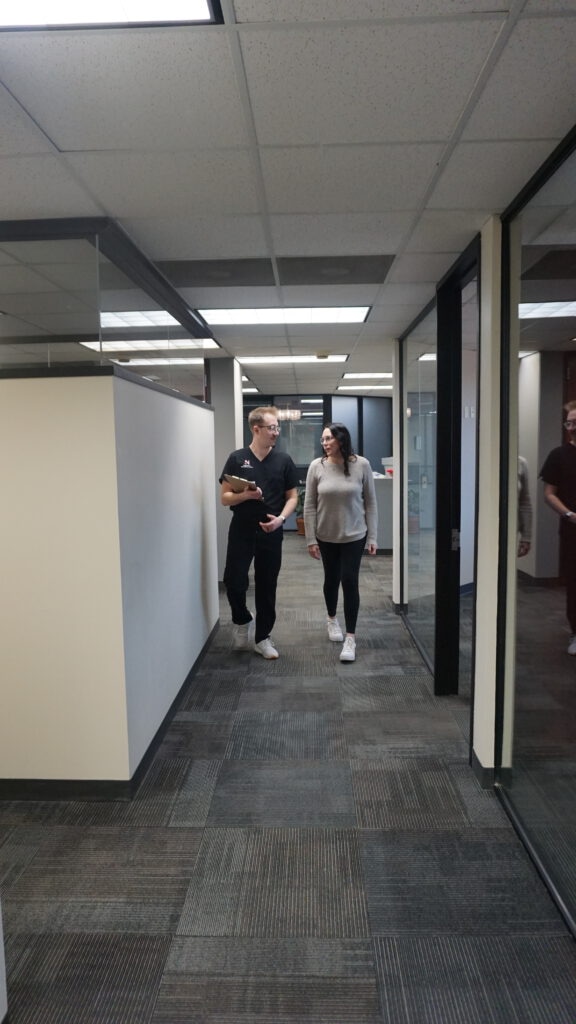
61 655
167 517
226 398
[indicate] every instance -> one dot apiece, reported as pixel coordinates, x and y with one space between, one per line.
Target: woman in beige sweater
340 520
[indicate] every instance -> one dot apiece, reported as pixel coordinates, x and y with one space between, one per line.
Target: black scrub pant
247 544
568 570
342 566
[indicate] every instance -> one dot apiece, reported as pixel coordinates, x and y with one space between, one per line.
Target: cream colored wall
61 655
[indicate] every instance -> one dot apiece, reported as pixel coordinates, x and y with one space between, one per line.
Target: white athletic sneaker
334 631
571 649
266 649
243 636
348 652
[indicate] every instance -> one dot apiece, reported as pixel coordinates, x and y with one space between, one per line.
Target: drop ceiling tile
229 298
39 186
116 300
330 295
55 251
418 267
348 178
559 190
446 231
19 133
530 94
360 234
168 182
209 237
402 81
15 279
336 10
406 294
487 174
115 89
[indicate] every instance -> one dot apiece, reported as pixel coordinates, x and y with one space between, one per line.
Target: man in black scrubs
256 530
559 476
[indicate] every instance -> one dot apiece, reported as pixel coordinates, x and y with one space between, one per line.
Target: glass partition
420 361
64 303
540 788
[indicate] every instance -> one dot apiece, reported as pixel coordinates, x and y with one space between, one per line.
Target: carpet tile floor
309 846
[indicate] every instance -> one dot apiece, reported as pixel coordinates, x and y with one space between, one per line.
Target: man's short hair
570 406
256 417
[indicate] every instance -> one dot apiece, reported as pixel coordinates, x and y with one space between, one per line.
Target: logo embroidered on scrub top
246 464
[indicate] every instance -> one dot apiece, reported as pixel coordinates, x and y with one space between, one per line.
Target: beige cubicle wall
108 588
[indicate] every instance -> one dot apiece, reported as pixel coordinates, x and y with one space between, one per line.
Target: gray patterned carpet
308 847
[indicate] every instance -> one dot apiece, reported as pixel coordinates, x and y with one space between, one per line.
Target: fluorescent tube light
427 357
290 359
104 12
142 345
364 387
138 318
316 414
543 310
371 376
249 391
179 361
294 315
311 401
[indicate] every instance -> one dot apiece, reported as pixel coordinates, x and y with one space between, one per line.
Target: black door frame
448 467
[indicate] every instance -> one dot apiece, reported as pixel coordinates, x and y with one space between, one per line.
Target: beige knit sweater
337 508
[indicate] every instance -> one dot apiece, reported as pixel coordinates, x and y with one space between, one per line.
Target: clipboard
238 484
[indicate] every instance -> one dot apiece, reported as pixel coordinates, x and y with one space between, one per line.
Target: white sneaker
266 648
348 652
243 636
571 649
334 631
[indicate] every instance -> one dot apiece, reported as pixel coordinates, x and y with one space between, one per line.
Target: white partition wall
108 582
3 996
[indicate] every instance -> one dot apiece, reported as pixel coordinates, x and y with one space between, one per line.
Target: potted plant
413 511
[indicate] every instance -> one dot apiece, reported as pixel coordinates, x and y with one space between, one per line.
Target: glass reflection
542 791
421 477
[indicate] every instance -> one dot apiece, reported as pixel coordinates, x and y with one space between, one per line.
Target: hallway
308 847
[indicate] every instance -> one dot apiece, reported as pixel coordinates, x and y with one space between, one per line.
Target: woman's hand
371 549
314 551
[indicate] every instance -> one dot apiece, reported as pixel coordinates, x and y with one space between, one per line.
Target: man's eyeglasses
570 424
271 428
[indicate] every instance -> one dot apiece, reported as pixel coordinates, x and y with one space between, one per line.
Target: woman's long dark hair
342 435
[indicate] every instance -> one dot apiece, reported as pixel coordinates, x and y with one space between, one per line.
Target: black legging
342 566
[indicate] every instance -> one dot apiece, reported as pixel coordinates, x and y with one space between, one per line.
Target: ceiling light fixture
427 357
364 387
289 315
178 361
143 345
138 318
273 360
372 376
543 310
249 391
311 401
29 13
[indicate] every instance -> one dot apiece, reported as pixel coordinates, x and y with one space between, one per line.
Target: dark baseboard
100 789
485 776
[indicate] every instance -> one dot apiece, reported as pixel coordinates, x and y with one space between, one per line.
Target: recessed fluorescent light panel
158 362
31 13
249 391
295 315
311 401
269 360
370 376
153 345
542 310
364 387
138 318
427 357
